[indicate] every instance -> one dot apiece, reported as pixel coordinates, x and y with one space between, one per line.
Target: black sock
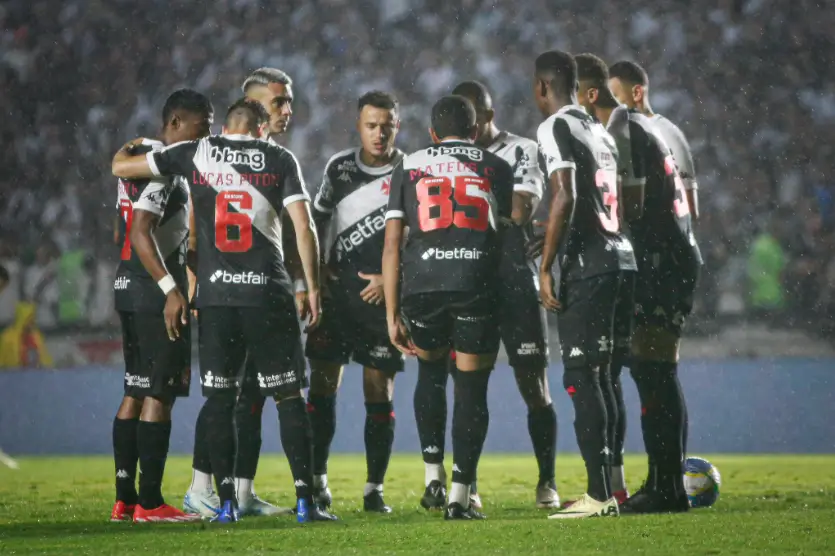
611 409
125 456
379 438
583 386
295 429
470 420
430 408
219 411
248 411
685 420
615 372
542 426
662 421
322 411
202 459
152 439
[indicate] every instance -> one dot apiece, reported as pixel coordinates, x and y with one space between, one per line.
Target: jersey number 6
224 219
439 191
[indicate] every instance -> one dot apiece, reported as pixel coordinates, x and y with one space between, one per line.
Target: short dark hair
629 72
559 69
187 100
379 99
265 76
477 92
453 116
592 69
253 112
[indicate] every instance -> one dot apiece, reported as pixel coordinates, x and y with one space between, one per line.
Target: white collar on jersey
372 170
568 107
239 137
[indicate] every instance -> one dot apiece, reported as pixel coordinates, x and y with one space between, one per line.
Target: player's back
571 139
134 288
239 187
665 225
677 142
455 198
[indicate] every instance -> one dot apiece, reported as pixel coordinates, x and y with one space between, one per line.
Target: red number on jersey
126 211
224 218
607 183
461 190
680 204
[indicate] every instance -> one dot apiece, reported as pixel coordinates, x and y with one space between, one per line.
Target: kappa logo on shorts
576 352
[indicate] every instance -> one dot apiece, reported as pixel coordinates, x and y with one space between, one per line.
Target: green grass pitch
769 504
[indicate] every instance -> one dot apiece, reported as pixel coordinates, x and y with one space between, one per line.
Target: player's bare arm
293 262
391 286
561 183
127 165
524 204
308 250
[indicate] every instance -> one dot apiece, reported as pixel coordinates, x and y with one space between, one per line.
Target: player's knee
325 378
220 403
577 379
130 408
472 362
378 386
653 343
156 410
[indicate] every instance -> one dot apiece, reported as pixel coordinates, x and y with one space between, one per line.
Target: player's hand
175 312
314 316
373 292
546 291
129 146
534 246
303 305
399 336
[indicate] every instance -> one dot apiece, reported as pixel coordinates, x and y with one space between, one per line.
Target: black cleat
323 497
457 511
374 502
317 513
648 501
434 497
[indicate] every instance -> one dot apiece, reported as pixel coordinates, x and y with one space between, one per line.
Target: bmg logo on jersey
473 153
247 157
245 278
451 254
365 229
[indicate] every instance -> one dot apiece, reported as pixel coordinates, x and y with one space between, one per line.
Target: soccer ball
701 481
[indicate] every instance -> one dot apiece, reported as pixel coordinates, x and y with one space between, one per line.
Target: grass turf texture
774 504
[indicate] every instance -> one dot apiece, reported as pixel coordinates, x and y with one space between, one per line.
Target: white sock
200 481
371 487
617 478
244 489
460 493
320 481
434 472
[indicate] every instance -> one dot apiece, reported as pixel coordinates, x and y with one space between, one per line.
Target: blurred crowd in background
747 81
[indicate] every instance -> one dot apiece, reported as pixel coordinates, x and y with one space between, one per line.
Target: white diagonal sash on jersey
171 235
472 189
263 215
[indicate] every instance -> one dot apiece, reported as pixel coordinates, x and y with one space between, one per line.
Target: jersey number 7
226 219
439 191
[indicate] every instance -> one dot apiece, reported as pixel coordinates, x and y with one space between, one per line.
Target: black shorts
523 323
462 321
664 293
586 320
259 345
350 331
625 315
154 365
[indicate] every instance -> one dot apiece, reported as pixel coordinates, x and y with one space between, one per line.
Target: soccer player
522 320
656 207
630 85
154 220
349 211
453 196
240 185
273 89
584 226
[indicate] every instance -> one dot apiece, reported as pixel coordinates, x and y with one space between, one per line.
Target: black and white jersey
350 211
674 138
239 186
455 198
167 198
595 243
645 159
523 156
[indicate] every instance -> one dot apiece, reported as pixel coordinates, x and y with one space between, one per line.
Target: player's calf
430 406
126 457
378 387
325 379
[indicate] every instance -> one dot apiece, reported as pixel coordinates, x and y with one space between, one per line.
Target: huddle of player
429 254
